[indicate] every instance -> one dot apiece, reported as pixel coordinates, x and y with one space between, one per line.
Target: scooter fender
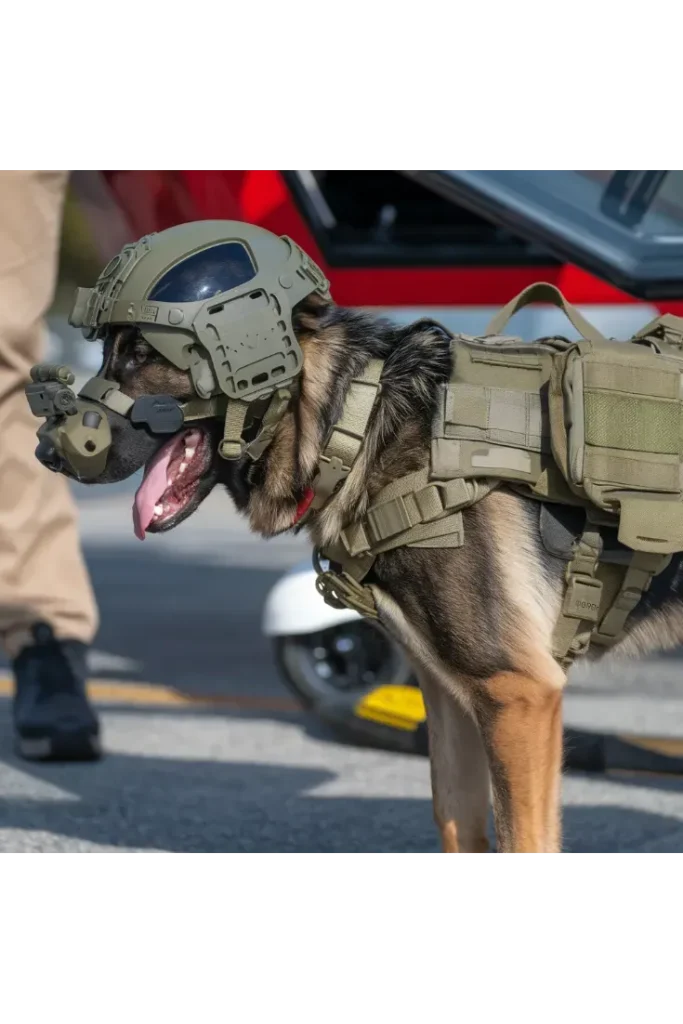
294 606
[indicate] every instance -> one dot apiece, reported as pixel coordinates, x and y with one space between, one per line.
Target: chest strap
412 511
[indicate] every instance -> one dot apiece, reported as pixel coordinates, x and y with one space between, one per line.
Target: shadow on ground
205 806
179 805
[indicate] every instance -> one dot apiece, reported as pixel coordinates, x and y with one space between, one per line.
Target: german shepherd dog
476 621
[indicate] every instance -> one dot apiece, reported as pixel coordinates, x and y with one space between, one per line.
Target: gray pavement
214 783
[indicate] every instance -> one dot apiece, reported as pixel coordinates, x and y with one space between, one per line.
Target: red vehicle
386 239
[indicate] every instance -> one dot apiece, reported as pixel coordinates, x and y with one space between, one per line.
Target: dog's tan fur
477 621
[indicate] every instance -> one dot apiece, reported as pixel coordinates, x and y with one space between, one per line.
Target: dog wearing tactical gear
470 575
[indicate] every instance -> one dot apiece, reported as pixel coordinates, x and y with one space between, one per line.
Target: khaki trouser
42 573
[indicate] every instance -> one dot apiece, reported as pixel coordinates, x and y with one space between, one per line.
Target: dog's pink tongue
154 484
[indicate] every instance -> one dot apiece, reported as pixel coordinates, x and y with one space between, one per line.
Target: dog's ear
308 315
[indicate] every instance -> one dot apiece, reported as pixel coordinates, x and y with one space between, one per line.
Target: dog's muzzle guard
77 433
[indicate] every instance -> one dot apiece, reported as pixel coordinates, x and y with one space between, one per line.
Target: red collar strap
304 505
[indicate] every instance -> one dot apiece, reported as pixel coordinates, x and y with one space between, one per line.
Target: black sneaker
53 718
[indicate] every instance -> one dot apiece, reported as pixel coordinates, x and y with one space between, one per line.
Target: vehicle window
624 226
386 218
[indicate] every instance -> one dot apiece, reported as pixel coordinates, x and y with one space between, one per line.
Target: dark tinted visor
205 274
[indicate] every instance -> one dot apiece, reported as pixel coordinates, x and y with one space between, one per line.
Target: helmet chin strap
233 445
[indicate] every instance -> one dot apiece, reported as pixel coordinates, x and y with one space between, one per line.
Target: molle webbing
413 511
492 417
616 416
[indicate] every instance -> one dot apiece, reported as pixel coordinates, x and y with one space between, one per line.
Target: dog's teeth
158 509
189 452
183 467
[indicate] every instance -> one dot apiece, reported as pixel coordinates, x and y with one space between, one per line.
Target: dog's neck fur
337 344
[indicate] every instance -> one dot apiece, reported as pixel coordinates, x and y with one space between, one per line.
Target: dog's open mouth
171 481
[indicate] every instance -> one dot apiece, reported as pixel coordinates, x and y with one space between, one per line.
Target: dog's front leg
521 721
459 769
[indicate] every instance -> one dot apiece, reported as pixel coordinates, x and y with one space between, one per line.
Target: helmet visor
205 274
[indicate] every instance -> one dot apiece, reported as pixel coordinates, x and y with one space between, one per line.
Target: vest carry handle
542 291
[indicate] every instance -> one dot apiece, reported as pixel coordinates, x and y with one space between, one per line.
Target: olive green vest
596 424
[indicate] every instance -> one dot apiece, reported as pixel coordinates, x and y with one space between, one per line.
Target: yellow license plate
399 707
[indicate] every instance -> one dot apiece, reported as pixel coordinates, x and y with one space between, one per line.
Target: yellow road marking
398 707
115 691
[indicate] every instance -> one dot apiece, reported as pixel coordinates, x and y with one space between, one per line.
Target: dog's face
179 472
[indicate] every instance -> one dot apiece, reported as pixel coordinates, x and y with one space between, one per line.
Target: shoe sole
77 746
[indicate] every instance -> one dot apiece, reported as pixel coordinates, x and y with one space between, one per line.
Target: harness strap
409 512
599 598
107 393
236 413
204 408
643 567
414 511
343 590
232 446
277 407
581 605
346 437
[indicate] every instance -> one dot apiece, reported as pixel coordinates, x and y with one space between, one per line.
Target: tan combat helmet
213 297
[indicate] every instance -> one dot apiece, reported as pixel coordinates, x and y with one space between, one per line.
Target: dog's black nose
47 454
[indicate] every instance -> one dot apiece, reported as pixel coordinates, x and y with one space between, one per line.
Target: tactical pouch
616 434
491 419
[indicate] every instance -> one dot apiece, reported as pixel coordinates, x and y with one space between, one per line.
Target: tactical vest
593 426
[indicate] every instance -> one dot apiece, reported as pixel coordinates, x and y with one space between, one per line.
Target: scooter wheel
336 671
341 661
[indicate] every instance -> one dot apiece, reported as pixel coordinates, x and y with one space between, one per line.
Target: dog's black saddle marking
562 525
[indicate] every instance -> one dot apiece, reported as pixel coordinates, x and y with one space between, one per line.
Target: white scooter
341 666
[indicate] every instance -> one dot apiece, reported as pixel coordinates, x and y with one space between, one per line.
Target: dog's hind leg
459 769
521 721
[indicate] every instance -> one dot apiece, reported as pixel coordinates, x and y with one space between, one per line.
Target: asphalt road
180 623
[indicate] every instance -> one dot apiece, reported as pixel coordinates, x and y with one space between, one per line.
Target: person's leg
47 608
